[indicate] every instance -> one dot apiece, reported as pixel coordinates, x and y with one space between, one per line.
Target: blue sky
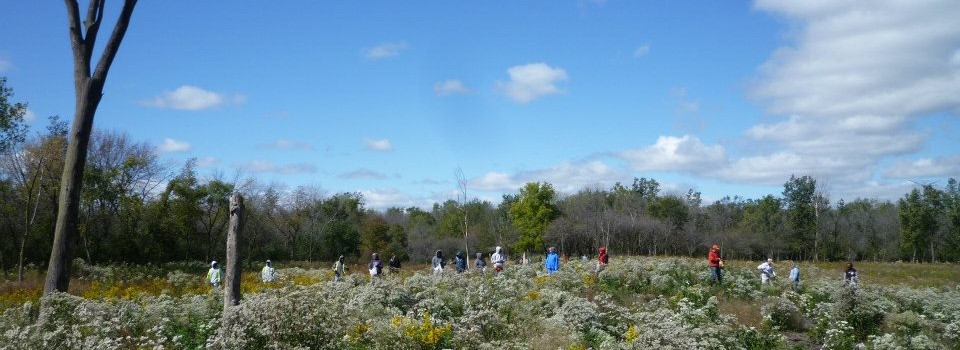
389 98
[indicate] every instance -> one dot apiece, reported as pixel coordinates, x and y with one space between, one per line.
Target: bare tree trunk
232 286
89 90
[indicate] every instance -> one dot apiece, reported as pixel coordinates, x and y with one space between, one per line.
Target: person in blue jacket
795 276
553 261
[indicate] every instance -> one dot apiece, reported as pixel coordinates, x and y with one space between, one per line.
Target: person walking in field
376 267
766 271
603 260
213 275
715 264
795 276
438 263
479 263
394 264
338 268
268 274
552 263
460 262
499 259
851 277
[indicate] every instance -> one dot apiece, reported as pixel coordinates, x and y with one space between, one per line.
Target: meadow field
636 303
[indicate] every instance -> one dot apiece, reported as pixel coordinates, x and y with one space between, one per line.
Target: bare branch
113 44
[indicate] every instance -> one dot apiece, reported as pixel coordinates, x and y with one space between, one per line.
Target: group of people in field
851 277
551 264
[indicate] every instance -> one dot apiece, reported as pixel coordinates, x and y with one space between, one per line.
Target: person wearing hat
715 264
438 263
268 274
603 260
766 271
552 263
213 275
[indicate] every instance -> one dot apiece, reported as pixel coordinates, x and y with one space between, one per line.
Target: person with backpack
552 262
715 264
603 260
499 259
479 263
766 271
213 275
376 267
438 263
338 268
268 274
459 262
795 276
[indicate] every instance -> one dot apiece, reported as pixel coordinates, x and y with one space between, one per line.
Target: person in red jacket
715 263
604 259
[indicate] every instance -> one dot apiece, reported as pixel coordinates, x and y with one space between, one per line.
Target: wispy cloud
173 146
450 87
262 166
5 65
926 167
566 176
282 143
29 116
363 174
532 81
384 50
641 51
192 98
381 145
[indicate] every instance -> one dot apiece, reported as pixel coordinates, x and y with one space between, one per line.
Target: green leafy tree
532 213
13 130
918 222
671 209
798 193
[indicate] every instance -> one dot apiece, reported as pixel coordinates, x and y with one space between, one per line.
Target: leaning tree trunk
89 89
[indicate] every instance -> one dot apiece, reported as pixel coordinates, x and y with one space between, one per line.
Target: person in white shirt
268 274
766 271
213 275
499 259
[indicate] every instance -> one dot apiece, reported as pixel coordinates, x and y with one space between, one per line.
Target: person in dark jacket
460 262
479 263
851 277
394 264
376 267
552 263
438 263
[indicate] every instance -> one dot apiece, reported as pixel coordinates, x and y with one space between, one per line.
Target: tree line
136 208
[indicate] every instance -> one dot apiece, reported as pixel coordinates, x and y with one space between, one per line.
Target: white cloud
5 65
173 146
382 145
384 50
641 51
29 116
450 87
363 174
566 176
671 153
926 167
207 162
192 98
532 81
262 166
282 143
